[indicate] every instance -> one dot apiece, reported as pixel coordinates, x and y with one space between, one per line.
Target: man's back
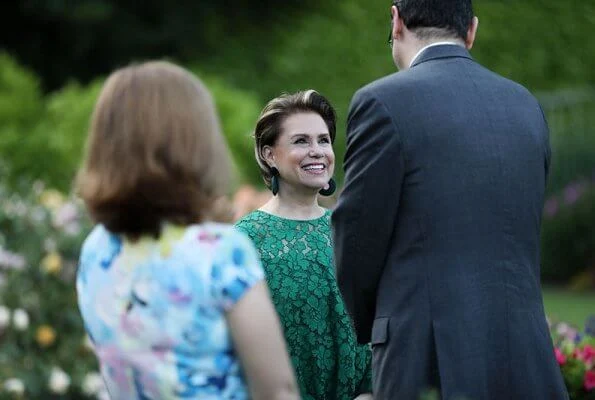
458 304
476 152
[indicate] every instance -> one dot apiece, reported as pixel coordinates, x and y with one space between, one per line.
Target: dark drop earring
331 188
274 181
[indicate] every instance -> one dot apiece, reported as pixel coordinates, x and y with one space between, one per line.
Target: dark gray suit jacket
437 232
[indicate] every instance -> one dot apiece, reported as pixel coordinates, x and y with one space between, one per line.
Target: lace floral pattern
297 258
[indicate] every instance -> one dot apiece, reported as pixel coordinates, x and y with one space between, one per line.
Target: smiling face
303 153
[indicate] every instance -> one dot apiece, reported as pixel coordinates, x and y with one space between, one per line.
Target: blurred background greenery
53 64
56 54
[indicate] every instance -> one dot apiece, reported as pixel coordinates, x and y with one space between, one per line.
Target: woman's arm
258 339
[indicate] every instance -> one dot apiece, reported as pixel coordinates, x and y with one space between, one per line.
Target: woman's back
155 310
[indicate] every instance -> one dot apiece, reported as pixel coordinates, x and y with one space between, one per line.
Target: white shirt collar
428 46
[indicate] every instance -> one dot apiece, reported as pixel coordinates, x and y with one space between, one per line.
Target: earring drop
332 186
274 181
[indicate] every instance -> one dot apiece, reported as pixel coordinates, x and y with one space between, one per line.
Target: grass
568 306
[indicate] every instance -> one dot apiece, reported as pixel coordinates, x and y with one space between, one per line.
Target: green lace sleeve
245 226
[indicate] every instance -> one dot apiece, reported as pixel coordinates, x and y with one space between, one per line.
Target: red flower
587 354
590 380
561 358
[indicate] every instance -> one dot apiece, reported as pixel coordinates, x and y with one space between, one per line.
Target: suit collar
441 51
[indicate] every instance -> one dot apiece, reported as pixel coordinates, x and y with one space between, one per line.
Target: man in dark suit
437 229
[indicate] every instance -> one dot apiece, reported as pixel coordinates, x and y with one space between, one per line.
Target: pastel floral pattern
155 310
297 258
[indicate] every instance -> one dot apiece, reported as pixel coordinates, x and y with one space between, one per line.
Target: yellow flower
52 263
51 199
45 335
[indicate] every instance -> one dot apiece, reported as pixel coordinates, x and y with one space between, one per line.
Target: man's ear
267 154
396 23
471 33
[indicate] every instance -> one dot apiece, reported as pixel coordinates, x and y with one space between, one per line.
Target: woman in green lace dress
294 137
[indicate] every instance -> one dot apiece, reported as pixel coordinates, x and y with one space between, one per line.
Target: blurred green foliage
573 307
238 111
568 233
40 235
334 47
83 39
571 118
42 137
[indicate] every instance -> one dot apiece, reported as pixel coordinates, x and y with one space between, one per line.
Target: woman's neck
293 206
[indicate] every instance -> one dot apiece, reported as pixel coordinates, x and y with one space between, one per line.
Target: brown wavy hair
268 126
155 152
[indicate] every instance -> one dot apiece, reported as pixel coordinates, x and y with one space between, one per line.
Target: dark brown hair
155 152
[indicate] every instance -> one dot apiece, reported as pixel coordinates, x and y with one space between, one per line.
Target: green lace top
298 264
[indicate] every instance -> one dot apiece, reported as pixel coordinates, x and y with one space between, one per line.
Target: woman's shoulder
252 223
250 218
99 238
97 234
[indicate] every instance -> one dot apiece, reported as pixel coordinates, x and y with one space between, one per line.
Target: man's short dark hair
436 18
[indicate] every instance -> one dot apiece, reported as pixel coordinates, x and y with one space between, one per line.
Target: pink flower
573 192
590 380
567 332
561 358
551 207
587 354
562 329
9 260
571 334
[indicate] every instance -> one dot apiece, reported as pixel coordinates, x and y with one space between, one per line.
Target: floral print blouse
155 310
